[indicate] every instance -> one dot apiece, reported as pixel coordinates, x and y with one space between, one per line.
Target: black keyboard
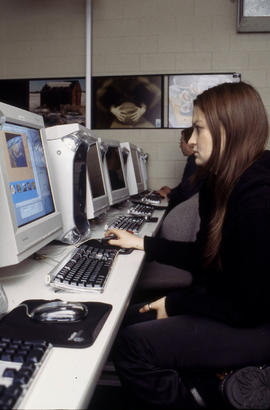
20 362
141 210
129 223
152 198
149 197
87 268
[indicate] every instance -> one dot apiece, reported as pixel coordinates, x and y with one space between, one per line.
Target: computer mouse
109 237
59 312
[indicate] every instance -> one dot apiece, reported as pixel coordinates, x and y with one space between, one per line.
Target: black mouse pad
17 325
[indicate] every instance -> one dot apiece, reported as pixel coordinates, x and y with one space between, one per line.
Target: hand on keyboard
125 239
108 237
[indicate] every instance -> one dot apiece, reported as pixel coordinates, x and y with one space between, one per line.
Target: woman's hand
164 191
138 113
158 305
118 113
125 239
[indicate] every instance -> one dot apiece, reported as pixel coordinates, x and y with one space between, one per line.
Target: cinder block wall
40 39
47 39
174 36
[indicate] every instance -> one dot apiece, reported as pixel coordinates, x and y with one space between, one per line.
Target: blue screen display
27 173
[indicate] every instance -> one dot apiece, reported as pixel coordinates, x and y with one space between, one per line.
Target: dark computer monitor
133 169
143 158
114 171
97 197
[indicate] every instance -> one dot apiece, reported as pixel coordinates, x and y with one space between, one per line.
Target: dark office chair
157 279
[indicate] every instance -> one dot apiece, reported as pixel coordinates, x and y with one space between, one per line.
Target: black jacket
239 294
186 188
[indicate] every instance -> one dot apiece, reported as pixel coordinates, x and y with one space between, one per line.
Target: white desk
69 376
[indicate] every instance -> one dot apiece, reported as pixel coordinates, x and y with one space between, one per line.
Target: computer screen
113 165
135 160
28 212
97 197
143 158
133 169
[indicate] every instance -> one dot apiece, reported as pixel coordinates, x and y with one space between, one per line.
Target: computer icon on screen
29 213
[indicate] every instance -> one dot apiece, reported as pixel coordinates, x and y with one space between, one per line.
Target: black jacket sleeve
184 255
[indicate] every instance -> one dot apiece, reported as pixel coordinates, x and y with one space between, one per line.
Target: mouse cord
26 309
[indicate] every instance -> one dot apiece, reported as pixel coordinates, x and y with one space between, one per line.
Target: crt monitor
114 172
28 211
143 157
68 147
97 200
133 169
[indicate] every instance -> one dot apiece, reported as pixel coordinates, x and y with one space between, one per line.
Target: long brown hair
239 110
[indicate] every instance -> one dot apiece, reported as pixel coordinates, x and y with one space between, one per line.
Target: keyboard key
9 372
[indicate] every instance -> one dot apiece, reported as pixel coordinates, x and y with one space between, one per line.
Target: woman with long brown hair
222 320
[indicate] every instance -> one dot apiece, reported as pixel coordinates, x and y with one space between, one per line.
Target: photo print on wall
127 102
59 100
183 89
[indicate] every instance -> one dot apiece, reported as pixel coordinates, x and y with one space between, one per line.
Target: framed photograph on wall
127 102
58 100
253 16
183 89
